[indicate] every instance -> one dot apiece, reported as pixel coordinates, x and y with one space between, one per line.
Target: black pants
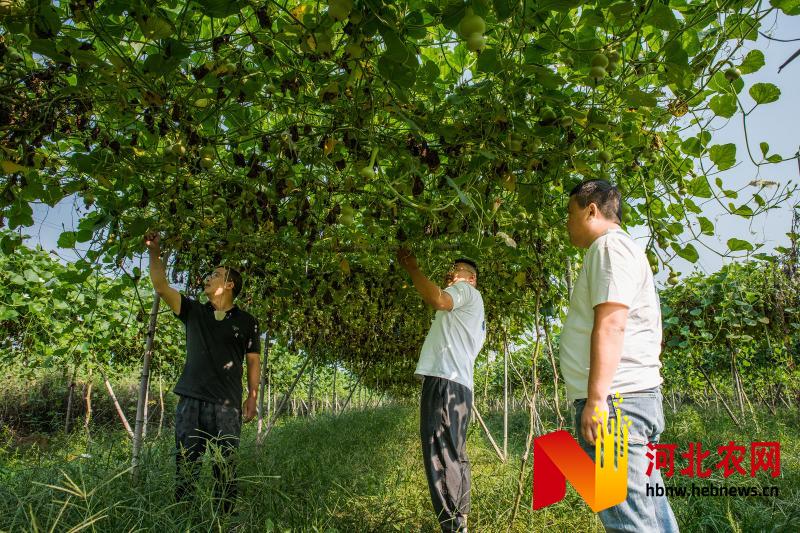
444 412
199 424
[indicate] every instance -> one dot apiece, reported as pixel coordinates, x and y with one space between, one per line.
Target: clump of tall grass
361 471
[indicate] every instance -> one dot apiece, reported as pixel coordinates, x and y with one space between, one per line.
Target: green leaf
635 97
399 73
737 245
31 276
790 7
430 71
453 13
47 47
622 11
764 93
415 25
699 187
706 226
48 21
461 195
688 252
692 146
661 16
560 5
66 239
740 26
764 148
723 105
720 84
487 61
752 62
505 8
219 8
743 211
6 313
691 206
723 155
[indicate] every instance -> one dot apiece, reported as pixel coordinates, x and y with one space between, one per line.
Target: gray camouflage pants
445 408
201 425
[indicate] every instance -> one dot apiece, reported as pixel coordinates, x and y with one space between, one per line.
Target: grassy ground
359 472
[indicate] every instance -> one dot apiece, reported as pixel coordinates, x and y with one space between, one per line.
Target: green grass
359 472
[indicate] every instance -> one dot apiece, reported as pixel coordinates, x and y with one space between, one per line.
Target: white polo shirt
615 269
455 337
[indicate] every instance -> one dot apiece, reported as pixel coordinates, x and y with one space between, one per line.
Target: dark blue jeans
639 513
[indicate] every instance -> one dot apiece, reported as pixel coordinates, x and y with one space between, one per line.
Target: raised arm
430 292
158 274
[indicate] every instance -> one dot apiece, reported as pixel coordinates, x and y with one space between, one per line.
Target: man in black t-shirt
219 338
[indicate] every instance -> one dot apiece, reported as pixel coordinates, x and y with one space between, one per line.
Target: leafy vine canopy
302 141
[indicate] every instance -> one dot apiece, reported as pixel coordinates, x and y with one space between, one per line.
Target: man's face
215 283
460 272
577 223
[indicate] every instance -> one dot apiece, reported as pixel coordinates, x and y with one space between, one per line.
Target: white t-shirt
615 269
455 337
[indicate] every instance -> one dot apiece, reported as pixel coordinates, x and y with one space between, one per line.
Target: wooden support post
143 383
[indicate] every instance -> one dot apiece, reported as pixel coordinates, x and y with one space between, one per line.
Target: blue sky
775 123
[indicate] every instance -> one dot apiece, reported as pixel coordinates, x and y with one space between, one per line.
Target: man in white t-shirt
446 366
610 343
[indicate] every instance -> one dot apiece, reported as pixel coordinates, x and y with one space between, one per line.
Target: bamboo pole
70 395
497 449
533 413
335 399
88 401
310 407
118 408
353 390
262 386
719 397
143 382
285 400
146 407
161 405
505 394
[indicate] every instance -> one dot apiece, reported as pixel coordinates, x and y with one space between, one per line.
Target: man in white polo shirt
446 365
610 343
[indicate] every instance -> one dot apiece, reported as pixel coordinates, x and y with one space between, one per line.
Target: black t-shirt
215 352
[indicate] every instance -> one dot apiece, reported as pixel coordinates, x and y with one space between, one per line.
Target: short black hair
469 262
236 277
600 192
